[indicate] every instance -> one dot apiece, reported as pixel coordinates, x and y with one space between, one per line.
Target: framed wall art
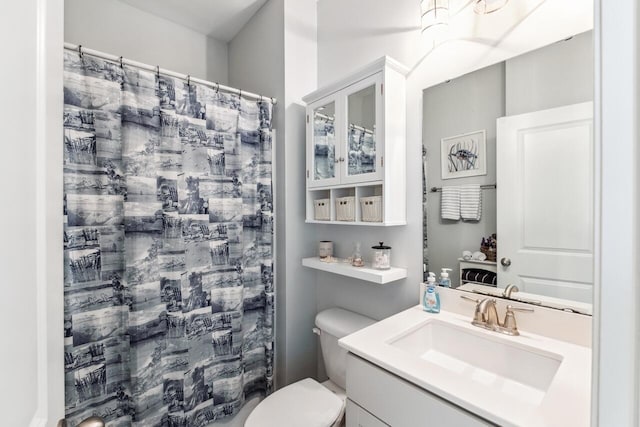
464 155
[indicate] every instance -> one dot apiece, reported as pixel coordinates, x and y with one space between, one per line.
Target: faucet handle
470 299
477 315
509 324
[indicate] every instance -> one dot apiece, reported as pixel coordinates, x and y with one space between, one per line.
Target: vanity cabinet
359 417
379 398
355 147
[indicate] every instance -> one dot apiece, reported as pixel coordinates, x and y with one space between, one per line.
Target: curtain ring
260 98
217 87
121 62
80 53
158 71
188 80
240 93
273 100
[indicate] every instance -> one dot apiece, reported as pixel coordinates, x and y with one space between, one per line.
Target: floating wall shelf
363 273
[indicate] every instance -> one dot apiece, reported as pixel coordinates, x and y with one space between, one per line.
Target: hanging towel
450 203
470 202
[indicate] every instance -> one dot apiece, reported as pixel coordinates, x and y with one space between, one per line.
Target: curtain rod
483 187
156 69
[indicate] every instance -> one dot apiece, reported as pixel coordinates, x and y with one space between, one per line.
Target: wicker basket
346 208
322 209
489 252
371 208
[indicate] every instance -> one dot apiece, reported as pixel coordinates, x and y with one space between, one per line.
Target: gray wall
466 104
559 74
119 29
556 75
274 54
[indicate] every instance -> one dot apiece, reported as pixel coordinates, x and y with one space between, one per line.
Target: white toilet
307 403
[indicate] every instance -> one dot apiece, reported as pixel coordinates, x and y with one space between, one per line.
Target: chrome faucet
486 316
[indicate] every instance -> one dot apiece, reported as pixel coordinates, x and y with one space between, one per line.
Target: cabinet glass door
362 157
324 169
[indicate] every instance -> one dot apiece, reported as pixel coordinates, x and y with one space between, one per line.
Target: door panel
545 176
364 130
323 130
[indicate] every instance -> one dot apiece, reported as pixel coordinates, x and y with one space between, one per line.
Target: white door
545 175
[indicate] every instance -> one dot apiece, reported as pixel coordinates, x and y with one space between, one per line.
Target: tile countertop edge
567 401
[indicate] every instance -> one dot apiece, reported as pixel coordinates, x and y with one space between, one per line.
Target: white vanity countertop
567 399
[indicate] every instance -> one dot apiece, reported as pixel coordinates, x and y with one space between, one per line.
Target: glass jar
381 257
356 256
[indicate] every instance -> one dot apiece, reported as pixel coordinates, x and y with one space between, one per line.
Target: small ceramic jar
381 257
325 249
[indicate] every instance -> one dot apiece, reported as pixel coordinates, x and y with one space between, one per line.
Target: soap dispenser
431 299
445 281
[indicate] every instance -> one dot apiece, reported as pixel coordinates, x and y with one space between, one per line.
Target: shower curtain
169 292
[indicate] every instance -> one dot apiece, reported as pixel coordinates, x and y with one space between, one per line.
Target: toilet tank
335 323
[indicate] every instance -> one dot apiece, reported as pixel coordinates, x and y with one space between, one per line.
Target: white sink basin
503 367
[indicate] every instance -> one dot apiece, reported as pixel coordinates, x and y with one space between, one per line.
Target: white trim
597 192
49 216
616 357
41 210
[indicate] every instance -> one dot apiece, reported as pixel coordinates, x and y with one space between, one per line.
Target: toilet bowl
307 403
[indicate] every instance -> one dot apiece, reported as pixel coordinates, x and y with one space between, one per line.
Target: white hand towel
450 203
470 202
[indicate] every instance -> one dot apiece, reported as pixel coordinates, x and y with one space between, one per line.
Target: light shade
435 17
482 7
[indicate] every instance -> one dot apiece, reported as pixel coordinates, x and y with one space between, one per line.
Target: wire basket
346 208
371 208
322 209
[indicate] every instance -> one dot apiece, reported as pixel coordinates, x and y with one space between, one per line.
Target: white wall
17 257
274 54
616 353
119 29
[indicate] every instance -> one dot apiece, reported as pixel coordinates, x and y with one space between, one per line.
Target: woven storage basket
346 208
322 209
371 208
489 252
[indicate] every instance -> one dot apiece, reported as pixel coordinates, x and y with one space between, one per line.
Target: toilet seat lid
304 403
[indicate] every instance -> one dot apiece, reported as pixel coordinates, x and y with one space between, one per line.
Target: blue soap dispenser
431 299
445 281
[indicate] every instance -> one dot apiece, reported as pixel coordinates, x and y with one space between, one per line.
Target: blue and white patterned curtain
169 293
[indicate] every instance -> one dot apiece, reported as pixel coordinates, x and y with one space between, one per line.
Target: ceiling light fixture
482 7
435 17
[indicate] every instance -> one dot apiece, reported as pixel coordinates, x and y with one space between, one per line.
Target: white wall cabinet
356 145
379 398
